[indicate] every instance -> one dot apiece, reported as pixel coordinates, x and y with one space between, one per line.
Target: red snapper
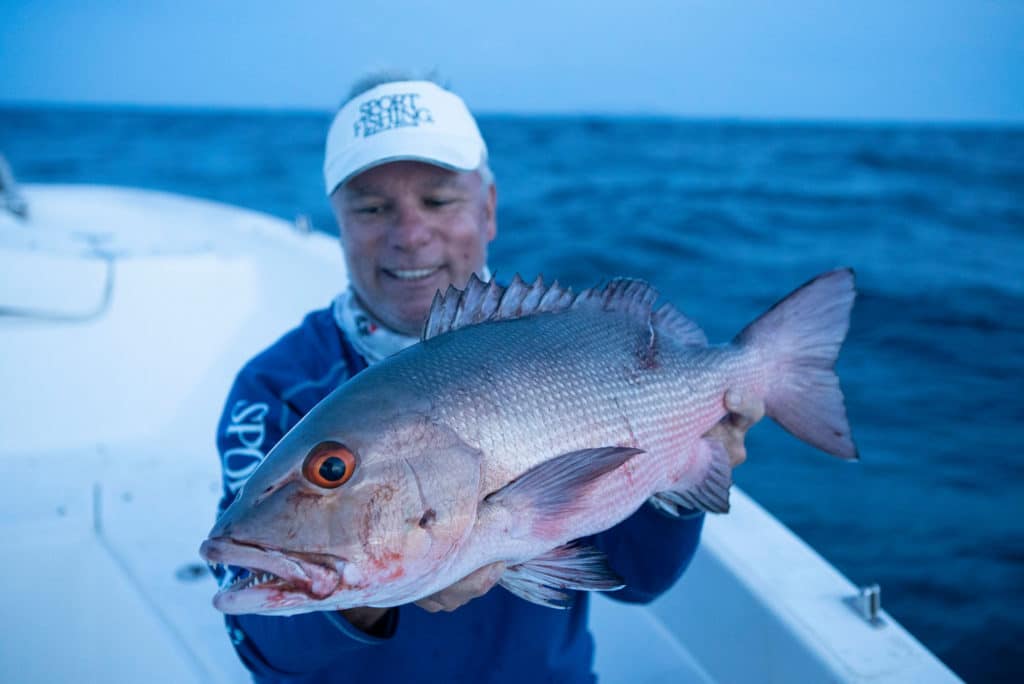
527 418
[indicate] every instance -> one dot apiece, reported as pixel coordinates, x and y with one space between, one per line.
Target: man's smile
412 273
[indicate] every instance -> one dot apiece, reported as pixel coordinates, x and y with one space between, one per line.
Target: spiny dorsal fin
489 301
481 302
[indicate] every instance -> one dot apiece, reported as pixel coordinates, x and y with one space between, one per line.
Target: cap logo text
390 111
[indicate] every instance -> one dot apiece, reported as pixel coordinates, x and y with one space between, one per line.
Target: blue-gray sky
867 59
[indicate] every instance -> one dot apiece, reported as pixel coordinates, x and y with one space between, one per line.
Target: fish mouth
273 580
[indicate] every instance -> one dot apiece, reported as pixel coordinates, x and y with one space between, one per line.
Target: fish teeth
243 577
249 579
263 578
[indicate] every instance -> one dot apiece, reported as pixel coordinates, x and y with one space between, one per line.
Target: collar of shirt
373 340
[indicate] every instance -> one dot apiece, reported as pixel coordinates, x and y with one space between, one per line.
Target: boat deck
125 314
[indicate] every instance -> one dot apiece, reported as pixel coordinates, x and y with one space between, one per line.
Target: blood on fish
298 496
627 470
647 356
395 573
389 564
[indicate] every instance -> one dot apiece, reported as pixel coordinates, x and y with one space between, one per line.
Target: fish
527 419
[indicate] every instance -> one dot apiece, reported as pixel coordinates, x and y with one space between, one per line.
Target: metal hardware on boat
868 602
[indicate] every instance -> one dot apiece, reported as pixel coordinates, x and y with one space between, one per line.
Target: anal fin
671 504
549 579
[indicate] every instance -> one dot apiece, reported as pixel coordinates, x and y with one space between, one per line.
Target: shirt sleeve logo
390 111
248 427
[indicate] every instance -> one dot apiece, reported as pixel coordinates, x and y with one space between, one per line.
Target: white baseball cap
402 120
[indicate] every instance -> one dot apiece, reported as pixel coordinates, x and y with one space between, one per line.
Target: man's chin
410 300
408 319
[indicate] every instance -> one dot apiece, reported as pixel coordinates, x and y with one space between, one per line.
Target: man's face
409 229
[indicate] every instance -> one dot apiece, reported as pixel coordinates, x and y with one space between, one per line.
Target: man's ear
337 209
337 203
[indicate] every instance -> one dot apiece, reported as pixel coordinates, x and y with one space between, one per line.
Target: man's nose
411 229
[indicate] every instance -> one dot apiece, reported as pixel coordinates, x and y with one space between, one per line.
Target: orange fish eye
329 465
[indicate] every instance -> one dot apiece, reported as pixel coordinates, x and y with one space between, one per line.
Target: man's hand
474 585
744 411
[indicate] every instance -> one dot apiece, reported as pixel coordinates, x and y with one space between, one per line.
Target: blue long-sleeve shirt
495 638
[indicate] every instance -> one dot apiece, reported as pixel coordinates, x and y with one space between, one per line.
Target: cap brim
446 151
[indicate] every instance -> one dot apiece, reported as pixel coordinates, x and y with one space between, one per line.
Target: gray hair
372 79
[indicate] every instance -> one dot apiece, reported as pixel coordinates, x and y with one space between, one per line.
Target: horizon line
783 119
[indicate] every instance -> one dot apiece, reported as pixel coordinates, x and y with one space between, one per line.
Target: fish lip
316 575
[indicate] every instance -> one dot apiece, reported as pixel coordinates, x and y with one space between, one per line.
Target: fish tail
801 336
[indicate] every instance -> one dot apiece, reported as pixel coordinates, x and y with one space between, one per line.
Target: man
407 176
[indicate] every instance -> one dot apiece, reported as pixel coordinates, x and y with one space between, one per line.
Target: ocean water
725 218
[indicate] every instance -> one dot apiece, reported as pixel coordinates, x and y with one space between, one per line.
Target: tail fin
801 336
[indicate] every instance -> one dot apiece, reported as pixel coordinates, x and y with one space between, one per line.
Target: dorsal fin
670 321
621 294
490 301
481 302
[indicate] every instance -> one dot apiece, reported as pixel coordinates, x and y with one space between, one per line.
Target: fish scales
505 439
543 401
555 403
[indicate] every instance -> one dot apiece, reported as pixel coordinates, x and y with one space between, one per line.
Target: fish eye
329 465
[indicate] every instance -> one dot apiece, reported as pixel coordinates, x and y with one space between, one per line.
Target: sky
918 60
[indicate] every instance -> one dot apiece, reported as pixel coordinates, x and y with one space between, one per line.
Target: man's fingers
487 575
744 409
480 581
430 605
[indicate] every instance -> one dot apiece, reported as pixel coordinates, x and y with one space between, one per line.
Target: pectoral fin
549 494
548 580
